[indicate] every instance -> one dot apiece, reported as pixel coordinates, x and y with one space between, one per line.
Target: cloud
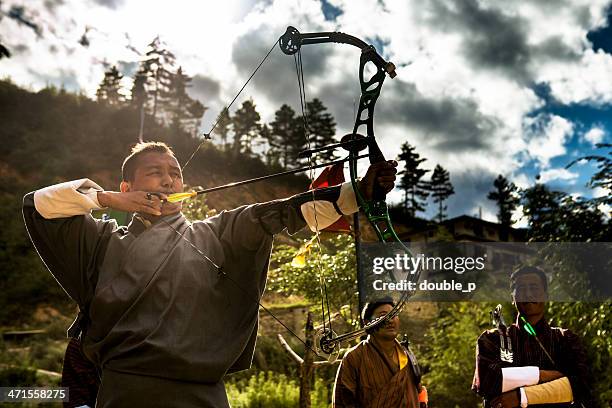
519 216
451 124
112 4
558 174
521 180
51 5
204 87
586 80
277 79
491 39
599 192
127 68
471 189
595 135
547 136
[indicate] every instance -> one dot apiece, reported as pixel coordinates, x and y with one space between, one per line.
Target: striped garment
80 376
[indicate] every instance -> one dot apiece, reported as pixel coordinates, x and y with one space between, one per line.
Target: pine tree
109 90
139 93
321 127
186 112
441 188
541 207
415 190
139 101
271 154
505 195
246 127
224 122
287 136
158 68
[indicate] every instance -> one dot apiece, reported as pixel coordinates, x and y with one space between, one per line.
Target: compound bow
376 209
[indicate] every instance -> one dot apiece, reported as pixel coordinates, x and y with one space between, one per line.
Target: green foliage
336 267
17 377
158 68
273 390
184 111
415 190
448 356
109 91
321 128
591 321
506 198
24 281
603 177
247 125
287 136
441 188
222 128
196 208
269 356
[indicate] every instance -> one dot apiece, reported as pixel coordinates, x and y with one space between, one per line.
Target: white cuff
524 402
326 213
347 202
515 377
67 199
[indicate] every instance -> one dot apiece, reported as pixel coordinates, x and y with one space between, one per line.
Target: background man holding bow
547 366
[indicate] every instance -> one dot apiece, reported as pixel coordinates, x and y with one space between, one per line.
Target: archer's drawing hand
133 201
509 399
383 174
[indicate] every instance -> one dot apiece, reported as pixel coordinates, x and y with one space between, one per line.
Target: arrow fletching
178 197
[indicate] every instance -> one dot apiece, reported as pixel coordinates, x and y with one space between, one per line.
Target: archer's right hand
133 201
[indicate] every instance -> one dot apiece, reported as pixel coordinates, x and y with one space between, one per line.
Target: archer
169 307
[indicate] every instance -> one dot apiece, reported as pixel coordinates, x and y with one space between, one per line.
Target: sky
519 88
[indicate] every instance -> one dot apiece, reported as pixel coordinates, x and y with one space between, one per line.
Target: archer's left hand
383 174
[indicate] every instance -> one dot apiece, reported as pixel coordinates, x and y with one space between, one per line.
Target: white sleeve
67 199
515 377
326 213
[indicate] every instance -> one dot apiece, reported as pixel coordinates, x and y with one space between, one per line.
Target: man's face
157 173
529 294
390 330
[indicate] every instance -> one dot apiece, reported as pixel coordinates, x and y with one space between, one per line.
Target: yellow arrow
177 197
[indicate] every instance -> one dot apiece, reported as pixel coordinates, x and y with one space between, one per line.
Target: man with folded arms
548 367
168 306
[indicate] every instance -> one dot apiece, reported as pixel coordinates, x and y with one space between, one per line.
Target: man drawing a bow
168 307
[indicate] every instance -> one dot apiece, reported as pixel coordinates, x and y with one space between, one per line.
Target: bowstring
322 284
